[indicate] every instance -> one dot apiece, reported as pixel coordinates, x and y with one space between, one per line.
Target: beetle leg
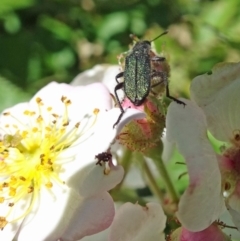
154 93
158 59
118 87
171 97
165 80
120 75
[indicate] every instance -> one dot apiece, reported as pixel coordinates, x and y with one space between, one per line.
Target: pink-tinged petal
135 223
202 202
94 215
218 95
94 180
100 73
67 217
212 233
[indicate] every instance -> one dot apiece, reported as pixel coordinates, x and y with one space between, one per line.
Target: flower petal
105 125
52 209
8 233
168 147
234 199
100 141
202 202
218 95
85 98
212 233
233 204
94 180
136 223
67 214
235 216
49 215
99 73
94 215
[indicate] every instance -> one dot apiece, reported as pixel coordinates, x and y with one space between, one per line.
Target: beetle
138 74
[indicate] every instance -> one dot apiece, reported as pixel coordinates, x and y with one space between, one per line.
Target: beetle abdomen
137 78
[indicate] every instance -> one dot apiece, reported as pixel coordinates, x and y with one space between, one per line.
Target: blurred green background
47 40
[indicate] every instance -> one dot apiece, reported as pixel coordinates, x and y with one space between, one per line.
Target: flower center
30 155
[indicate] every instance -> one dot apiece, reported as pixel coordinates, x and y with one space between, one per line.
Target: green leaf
10 94
10 5
113 24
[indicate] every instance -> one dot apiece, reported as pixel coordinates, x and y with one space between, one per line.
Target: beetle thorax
142 47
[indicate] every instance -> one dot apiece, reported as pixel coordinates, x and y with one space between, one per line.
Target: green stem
155 155
151 180
126 163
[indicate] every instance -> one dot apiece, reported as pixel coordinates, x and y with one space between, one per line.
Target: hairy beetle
138 74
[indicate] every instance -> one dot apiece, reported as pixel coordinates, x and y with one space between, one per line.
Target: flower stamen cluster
30 155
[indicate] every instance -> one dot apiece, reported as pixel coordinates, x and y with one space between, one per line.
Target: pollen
96 111
39 100
30 155
3 222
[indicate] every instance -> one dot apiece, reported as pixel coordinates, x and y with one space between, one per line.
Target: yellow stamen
29 155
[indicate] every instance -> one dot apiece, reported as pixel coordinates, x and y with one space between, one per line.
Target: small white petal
135 223
168 148
94 215
94 180
99 73
202 202
218 95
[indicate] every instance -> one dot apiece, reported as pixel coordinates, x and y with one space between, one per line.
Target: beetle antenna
165 32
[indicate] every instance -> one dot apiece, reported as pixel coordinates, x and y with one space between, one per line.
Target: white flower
214 177
104 73
202 202
136 223
217 94
50 187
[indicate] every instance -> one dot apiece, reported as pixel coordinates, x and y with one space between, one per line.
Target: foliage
47 40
